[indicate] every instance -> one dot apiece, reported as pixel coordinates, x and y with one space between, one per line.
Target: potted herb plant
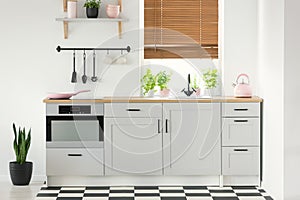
148 83
92 8
195 85
20 170
210 77
162 79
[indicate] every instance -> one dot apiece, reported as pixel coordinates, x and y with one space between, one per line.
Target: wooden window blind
181 29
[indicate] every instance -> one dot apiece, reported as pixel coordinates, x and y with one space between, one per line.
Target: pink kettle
242 88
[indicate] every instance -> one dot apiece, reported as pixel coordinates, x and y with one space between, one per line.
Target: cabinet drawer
240 109
240 160
77 162
240 132
129 110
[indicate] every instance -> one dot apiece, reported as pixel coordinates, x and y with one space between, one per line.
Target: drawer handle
241 109
133 110
240 149
74 155
240 120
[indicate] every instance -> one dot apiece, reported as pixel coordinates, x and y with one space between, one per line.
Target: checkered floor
153 193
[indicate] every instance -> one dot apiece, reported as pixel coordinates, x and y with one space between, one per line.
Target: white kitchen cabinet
75 162
133 146
241 139
240 161
191 138
241 132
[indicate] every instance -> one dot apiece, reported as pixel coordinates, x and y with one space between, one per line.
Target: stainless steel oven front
74 125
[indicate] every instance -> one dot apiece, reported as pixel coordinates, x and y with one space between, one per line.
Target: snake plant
21 144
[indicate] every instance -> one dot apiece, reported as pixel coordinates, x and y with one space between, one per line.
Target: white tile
70 195
147 198
223 194
199 198
196 191
45 198
251 198
122 188
172 194
73 188
219 188
146 191
121 194
170 187
96 191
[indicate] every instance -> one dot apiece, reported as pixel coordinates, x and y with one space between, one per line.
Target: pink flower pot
198 91
112 11
165 92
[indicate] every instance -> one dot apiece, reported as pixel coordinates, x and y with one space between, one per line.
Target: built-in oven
74 126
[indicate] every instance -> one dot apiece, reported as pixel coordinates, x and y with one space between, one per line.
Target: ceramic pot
72 8
165 92
20 174
198 92
112 11
150 93
92 12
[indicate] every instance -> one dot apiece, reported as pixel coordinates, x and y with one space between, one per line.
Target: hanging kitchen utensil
74 74
84 77
107 58
242 88
122 59
94 77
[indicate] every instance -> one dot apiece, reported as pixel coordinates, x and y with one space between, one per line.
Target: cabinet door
133 146
240 132
191 139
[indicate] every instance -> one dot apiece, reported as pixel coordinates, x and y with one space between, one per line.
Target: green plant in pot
148 83
162 79
92 8
21 170
210 78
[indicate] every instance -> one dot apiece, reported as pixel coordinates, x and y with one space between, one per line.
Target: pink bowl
112 11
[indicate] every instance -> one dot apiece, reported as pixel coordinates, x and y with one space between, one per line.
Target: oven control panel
74 109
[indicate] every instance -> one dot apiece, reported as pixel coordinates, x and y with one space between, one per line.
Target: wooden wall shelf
66 21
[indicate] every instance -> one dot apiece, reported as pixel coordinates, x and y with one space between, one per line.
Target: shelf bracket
65 5
120 23
66 27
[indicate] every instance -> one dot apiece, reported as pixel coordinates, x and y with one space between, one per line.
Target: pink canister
112 11
72 8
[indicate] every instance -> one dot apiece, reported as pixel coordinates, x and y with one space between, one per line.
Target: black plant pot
92 12
20 174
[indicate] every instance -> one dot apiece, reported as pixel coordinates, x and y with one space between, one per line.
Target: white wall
30 67
291 100
271 80
239 42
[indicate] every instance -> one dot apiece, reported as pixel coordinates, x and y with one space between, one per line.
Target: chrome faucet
190 89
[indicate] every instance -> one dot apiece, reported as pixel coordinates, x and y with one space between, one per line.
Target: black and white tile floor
153 193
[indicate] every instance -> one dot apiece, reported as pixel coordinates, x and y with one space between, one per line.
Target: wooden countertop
228 99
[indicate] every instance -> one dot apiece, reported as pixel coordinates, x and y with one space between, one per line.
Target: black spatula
74 74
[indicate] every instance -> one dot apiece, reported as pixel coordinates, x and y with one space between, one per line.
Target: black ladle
84 77
94 77
74 74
